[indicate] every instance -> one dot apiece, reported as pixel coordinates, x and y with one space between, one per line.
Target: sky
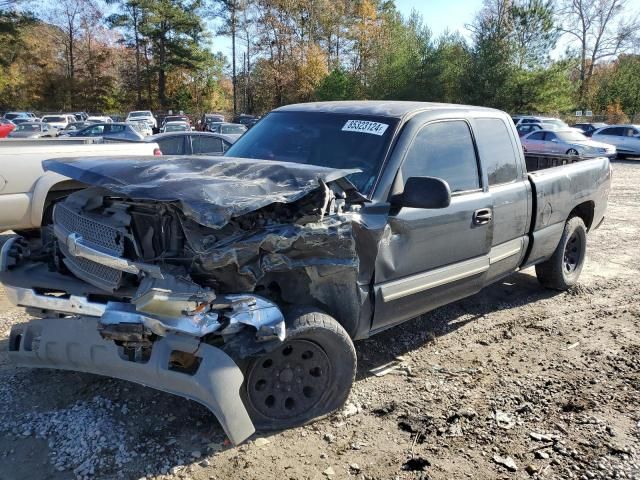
440 15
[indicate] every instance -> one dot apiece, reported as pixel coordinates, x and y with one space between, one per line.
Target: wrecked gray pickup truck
241 281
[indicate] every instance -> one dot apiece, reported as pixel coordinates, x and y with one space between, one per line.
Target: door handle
482 216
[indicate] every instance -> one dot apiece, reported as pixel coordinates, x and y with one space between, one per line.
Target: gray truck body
213 248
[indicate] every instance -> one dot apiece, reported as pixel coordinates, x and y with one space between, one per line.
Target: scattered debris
394 367
541 437
350 410
261 442
503 420
329 471
506 462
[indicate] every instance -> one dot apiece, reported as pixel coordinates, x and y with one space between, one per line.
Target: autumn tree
598 30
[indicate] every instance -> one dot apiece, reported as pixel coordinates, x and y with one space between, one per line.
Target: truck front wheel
562 270
307 377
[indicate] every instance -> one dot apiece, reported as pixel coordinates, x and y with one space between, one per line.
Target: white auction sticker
365 126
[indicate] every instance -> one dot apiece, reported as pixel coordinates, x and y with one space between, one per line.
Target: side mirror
423 192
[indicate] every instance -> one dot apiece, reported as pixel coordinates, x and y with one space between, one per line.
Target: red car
6 127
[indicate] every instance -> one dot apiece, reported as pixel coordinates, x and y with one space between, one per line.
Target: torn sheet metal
211 190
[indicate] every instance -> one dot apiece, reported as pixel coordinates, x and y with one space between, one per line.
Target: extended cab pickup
241 281
26 193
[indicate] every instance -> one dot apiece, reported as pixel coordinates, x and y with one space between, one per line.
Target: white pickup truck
26 191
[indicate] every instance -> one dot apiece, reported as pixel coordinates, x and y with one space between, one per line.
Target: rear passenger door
172 145
206 145
431 257
534 143
613 136
510 194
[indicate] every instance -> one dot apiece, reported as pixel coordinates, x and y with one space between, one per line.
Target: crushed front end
170 295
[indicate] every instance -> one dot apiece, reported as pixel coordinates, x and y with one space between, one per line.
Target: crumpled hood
211 190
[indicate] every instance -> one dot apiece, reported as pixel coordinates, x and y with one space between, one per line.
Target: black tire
562 270
573 151
306 378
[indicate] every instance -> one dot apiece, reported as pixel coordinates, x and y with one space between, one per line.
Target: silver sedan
565 142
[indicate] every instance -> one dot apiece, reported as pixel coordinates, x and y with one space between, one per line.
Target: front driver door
431 257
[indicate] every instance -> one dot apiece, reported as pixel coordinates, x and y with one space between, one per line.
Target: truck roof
385 108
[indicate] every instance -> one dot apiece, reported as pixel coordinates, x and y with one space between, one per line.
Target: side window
536 136
617 131
116 128
95 131
444 150
549 136
172 145
496 151
203 144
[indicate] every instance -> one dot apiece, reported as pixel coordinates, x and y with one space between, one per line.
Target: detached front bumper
74 343
76 333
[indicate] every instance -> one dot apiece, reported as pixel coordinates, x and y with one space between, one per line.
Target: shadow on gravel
513 292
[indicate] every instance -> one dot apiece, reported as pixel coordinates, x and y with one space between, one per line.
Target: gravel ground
515 382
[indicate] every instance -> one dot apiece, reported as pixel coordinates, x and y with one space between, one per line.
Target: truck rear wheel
307 377
562 270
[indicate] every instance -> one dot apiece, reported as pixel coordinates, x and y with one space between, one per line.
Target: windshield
53 119
139 114
571 136
28 127
324 139
233 129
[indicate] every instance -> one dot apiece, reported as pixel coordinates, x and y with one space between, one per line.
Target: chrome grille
92 231
104 237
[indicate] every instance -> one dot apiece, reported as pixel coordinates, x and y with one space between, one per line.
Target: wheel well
58 191
586 212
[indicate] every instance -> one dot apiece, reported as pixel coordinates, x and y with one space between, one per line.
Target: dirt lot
515 382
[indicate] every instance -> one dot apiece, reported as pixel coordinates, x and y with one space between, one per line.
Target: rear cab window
496 149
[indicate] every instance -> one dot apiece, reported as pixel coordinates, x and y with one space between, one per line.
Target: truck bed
560 188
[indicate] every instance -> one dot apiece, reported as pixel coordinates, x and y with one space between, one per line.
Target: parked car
19 120
246 120
142 115
548 123
235 130
107 130
57 121
192 143
99 119
626 138
589 128
175 118
568 142
6 127
12 115
175 126
345 218
526 128
208 118
73 126
27 200
80 116
145 128
33 130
